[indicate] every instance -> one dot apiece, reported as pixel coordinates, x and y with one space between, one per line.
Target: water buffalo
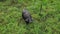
26 16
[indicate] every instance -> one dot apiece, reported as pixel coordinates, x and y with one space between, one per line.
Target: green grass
46 21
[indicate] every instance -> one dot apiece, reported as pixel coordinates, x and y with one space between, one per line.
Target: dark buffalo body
26 16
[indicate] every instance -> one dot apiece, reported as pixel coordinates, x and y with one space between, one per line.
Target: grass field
46 19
